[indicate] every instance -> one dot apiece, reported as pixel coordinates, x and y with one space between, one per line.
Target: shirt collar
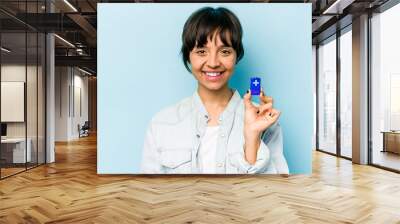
230 109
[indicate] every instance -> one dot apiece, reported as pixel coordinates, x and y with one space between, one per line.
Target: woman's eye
226 52
201 52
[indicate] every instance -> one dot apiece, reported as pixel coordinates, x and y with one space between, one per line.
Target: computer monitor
3 129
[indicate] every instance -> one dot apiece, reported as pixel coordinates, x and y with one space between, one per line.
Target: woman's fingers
265 99
247 100
272 116
262 109
265 121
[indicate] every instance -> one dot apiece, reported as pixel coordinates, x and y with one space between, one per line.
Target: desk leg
384 142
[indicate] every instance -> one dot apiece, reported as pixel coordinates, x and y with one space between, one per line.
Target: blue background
140 71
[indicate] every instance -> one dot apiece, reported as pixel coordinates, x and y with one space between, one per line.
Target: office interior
49 74
47 81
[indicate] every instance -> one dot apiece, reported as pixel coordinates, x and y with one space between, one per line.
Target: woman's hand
256 120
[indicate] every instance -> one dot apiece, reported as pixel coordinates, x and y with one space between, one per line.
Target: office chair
84 130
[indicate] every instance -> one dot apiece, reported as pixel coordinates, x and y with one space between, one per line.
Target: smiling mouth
213 74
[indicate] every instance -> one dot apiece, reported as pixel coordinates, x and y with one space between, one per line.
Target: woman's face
213 64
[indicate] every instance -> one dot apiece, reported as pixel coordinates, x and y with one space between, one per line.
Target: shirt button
219 164
220 119
222 135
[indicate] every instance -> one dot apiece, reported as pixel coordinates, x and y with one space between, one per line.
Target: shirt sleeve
274 140
150 155
270 157
261 164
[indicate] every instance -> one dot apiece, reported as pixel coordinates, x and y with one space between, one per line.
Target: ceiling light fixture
70 5
65 41
337 7
5 50
84 71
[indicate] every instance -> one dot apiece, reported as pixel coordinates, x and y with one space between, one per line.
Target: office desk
391 141
15 148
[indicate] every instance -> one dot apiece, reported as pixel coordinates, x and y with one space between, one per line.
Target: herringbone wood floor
70 191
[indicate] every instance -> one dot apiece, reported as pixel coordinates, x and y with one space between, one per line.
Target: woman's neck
215 98
215 102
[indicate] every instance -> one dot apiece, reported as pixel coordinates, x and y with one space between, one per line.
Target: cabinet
391 141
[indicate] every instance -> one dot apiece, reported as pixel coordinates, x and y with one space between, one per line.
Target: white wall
62 81
80 110
71 102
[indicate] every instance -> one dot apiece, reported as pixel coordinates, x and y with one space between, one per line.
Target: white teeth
213 73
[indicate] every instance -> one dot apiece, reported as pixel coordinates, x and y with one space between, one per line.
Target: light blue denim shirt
174 134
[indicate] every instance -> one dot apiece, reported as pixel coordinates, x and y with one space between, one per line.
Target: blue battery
255 85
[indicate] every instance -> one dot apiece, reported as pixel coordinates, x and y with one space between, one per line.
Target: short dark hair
203 23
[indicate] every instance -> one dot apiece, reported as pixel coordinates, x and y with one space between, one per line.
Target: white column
50 92
360 90
50 100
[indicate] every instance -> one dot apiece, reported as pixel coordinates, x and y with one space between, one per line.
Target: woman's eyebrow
219 46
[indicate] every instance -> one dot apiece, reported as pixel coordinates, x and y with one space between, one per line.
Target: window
346 93
385 88
327 96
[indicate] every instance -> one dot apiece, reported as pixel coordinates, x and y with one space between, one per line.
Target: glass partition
22 77
14 153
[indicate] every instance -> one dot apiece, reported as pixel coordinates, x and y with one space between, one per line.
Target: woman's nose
213 61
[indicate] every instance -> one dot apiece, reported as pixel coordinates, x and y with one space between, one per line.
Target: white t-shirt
208 150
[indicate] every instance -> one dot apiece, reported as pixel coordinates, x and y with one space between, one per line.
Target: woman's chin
214 87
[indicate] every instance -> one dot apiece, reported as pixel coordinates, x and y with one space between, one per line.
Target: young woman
214 131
